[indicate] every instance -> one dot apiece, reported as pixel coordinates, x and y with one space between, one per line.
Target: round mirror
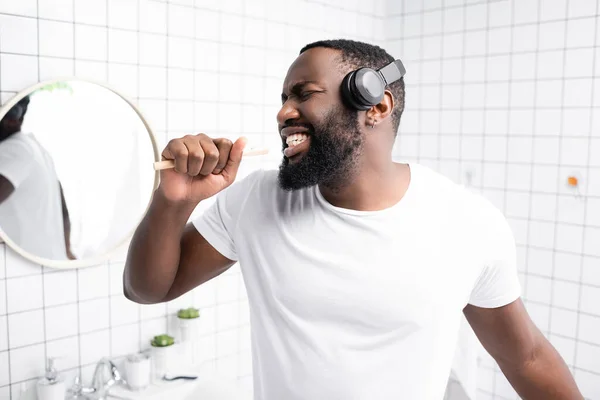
76 172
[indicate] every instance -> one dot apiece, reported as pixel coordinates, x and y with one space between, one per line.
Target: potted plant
188 323
161 354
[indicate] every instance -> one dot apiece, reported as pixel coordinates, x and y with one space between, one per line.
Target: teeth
296 139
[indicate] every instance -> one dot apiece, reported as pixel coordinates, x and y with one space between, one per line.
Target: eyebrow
297 88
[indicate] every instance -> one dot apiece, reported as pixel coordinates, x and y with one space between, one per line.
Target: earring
373 124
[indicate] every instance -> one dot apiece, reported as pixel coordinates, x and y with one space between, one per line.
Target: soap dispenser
52 386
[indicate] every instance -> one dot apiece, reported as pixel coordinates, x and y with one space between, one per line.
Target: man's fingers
235 158
224 146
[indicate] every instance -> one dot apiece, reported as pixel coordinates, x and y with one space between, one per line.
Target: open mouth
297 143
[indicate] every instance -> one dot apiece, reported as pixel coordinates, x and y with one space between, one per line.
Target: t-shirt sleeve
15 162
218 223
498 283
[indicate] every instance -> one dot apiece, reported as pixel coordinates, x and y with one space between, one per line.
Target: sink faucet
100 383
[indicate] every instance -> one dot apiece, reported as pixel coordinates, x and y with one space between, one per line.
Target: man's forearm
154 252
544 376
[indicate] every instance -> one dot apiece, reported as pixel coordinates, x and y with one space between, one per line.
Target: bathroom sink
208 386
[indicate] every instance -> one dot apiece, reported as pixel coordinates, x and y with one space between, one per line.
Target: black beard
332 158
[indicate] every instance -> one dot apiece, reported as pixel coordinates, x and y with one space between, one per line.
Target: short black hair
355 54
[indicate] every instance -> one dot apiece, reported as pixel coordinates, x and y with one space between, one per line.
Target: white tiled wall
211 66
504 96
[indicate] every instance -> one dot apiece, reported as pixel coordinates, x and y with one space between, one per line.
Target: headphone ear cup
350 94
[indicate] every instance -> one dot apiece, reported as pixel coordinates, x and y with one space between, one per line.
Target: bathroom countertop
208 386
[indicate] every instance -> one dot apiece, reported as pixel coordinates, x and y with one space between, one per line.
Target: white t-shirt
32 215
349 305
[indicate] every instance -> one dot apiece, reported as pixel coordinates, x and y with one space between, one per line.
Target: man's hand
203 167
530 363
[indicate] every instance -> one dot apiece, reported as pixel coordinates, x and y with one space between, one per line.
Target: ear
380 111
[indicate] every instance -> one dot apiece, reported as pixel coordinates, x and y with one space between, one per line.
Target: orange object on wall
572 181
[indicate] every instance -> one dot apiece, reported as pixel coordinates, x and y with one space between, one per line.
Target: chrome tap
101 384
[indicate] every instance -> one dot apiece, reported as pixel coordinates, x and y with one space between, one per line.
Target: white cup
137 371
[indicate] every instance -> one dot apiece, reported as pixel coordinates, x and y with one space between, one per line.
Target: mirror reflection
74 176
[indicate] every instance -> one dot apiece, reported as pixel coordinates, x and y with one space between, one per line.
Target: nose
287 112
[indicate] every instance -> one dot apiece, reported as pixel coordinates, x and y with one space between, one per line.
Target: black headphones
365 87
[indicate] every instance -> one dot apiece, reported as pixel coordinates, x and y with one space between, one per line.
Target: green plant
188 313
162 341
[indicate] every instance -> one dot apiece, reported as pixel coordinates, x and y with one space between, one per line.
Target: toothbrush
252 152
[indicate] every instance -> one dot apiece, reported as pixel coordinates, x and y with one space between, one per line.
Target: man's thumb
235 158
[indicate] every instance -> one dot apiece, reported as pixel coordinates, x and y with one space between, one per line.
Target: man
357 268
33 210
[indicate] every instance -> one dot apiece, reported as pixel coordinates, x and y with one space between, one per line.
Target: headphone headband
392 72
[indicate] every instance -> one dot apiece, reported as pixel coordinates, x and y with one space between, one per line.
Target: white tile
552 35
525 11
521 122
208 320
3 333
116 278
153 16
432 22
91 70
517 204
24 293
569 238
527 38
155 113
567 266
93 315
582 8
180 85
227 288
579 63
593 187
66 351
123 311
550 64
565 294
2 297
592 216
590 299
550 10
539 289
93 282
56 39
577 93
539 262
547 122
564 346
576 122
227 343
588 357
26 328
581 32
123 14
181 21
499 13
4 368
544 178
60 288
27 363
540 315
180 52
18 35
56 9
25 7
91 12
207 25
153 49
50 68
275 35
94 346
122 46
499 40
588 383
591 270
591 240
153 82
61 321
570 210
227 316
125 340
523 66
518 177
589 329
180 117
17 73
124 78
91 42
152 311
